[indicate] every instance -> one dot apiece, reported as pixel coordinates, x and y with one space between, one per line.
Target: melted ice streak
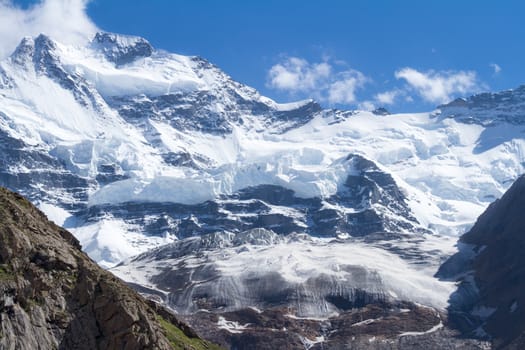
231 326
296 262
315 268
431 330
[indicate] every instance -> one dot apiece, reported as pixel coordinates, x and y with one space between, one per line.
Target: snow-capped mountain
260 204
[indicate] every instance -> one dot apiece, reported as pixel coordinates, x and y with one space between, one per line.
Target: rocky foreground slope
52 296
491 267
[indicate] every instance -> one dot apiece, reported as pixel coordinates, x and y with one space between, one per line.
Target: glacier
261 268
163 165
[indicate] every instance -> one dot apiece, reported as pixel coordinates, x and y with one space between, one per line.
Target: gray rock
52 296
122 49
491 268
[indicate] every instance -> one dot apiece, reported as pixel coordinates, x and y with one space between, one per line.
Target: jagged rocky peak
381 111
38 52
488 108
52 296
45 57
490 302
122 49
44 43
458 102
24 51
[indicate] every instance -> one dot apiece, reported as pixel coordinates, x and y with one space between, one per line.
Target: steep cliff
52 296
490 301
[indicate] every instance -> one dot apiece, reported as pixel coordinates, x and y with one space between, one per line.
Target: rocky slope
374 326
491 267
52 296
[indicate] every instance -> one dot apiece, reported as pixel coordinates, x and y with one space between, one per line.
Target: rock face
52 296
490 302
489 108
378 326
122 49
378 207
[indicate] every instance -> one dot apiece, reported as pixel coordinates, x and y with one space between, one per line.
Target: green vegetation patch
181 341
22 201
6 274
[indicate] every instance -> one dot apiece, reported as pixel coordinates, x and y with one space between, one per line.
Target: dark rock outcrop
122 49
490 301
488 108
52 296
379 210
381 111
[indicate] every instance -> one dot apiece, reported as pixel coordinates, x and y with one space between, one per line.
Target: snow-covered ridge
118 122
489 108
122 49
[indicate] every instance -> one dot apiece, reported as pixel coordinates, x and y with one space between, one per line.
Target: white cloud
296 74
63 20
319 80
439 87
388 97
366 106
496 67
342 89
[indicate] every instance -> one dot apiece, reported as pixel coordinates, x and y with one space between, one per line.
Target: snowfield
164 128
339 265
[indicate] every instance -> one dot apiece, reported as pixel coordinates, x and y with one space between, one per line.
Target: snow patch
110 241
431 330
308 343
56 214
231 326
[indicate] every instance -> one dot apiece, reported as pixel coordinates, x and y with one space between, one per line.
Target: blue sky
404 55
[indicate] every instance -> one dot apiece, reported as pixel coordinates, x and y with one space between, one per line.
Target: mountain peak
488 108
381 111
37 52
24 51
42 40
122 49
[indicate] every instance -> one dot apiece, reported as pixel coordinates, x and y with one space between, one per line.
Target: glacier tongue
315 277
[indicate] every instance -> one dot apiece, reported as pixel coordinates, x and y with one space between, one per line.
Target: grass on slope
5 275
180 341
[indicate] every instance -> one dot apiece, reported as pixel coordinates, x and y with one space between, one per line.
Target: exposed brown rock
375 326
52 296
